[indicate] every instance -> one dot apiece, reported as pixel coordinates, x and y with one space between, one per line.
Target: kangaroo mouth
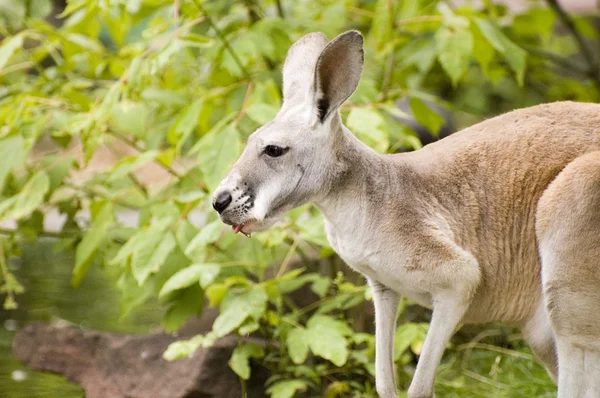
243 227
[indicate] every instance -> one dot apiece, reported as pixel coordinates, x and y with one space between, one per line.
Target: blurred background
121 116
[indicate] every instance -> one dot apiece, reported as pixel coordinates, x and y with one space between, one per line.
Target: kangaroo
498 222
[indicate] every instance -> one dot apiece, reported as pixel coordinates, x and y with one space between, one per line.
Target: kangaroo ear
337 72
299 66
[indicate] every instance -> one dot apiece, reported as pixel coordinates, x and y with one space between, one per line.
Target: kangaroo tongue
237 228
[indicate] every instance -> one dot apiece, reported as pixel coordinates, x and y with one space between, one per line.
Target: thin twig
16 67
223 39
139 149
169 169
47 234
361 12
176 12
165 41
242 113
287 258
254 17
494 348
131 175
484 379
387 77
279 9
92 194
557 59
594 67
421 19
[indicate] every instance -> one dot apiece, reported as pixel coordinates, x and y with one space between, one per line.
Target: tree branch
593 67
279 9
223 39
563 62
46 234
169 169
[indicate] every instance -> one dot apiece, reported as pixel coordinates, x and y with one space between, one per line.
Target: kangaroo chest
370 257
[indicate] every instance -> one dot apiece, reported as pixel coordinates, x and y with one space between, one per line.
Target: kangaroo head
292 160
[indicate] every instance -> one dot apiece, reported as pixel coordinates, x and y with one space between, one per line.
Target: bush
170 90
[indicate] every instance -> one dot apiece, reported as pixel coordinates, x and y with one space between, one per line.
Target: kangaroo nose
222 201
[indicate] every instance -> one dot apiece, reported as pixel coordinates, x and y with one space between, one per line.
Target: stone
123 365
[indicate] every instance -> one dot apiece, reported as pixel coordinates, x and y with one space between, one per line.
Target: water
49 297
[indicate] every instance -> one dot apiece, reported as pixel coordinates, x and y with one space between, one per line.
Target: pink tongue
236 228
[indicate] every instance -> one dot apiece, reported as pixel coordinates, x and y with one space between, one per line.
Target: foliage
180 85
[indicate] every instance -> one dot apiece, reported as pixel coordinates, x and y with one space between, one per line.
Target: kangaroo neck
360 171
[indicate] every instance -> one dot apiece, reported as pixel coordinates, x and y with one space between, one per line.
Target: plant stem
279 9
16 67
46 234
287 258
131 175
176 12
240 116
223 39
92 194
139 149
557 59
593 67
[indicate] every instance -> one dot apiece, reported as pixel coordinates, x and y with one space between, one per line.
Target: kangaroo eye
275 151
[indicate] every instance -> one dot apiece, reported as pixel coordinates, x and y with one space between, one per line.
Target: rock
119 365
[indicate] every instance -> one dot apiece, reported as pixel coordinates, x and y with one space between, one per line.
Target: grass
495 363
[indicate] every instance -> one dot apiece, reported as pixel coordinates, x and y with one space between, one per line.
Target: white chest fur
353 249
368 255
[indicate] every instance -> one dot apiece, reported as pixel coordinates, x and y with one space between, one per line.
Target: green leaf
6 204
515 55
483 51
297 344
72 6
248 327
186 231
85 42
226 322
425 116
203 273
406 336
58 167
187 303
370 127
312 229
109 100
240 359
207 235
131 117
326 338
236 307
183 348
9 48
261 113
215 294
165 97
130 164
321 285
383 23
196 39
31 196
12 155
91 241
185 124
536 21
217 151
151 256
39 8
454 44
286 388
